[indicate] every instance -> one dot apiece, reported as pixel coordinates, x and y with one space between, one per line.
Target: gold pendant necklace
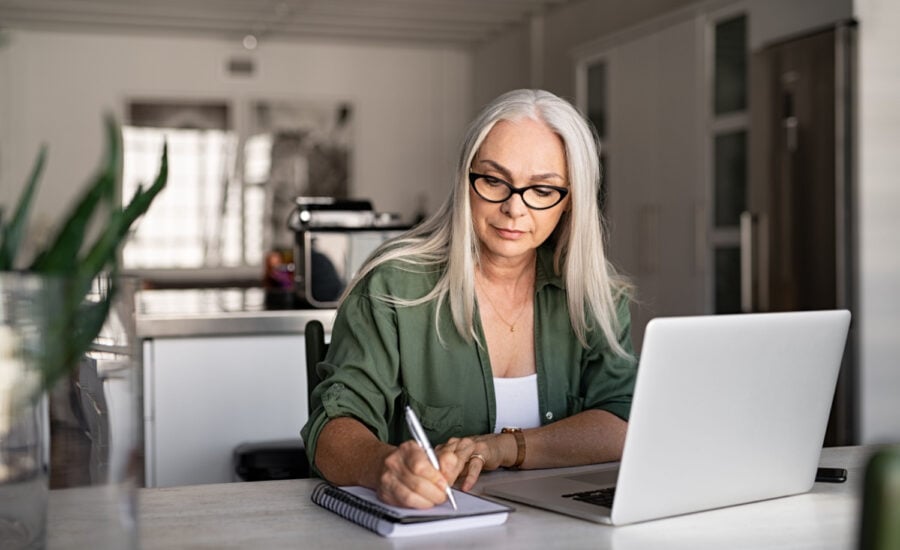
512 326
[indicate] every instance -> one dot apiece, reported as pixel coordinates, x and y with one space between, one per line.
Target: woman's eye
492 180
542 191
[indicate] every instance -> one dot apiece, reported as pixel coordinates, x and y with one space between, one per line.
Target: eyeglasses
536 197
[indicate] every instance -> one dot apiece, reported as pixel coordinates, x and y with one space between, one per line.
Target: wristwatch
520 445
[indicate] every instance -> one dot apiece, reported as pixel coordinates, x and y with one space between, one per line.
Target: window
728 132
197 220
230 188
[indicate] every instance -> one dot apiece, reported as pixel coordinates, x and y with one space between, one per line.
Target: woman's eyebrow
508 175
498 167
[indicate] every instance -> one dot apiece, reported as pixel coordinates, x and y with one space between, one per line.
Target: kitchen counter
218 312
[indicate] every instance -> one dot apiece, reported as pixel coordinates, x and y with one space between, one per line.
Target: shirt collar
545 274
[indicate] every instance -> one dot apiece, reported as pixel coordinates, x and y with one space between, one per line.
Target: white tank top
517 402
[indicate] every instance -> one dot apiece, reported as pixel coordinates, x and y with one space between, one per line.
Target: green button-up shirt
383 357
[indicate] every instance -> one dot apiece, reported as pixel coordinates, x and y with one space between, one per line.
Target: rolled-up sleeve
359 376
607 378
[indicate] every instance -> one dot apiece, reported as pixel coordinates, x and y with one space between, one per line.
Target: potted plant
49 316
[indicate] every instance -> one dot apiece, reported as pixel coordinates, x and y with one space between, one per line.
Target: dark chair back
316 348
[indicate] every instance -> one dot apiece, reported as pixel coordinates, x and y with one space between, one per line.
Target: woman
500 311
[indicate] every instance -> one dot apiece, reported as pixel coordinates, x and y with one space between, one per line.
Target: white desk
279 514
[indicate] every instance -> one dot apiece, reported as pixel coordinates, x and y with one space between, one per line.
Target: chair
880 521
284 458
316 348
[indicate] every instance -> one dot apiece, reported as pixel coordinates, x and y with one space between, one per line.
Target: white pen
419 434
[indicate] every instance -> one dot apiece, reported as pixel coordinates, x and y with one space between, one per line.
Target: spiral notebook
361 506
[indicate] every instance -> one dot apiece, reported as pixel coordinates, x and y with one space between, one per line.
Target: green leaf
62 255
72 333
76 321
140 202
11 236
104 251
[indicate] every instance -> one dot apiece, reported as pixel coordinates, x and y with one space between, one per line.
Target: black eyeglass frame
563 191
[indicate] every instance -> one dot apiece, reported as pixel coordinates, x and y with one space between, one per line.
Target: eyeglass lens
496 190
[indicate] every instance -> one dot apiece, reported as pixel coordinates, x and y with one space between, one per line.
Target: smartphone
831 475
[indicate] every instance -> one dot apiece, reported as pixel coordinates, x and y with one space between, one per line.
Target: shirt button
549 415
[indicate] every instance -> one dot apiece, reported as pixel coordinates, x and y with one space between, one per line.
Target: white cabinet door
204 396
656 186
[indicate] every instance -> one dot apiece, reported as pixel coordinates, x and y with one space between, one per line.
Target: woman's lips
511 234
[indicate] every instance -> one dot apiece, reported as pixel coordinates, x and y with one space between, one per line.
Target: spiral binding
351 507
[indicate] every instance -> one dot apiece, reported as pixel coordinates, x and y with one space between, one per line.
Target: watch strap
520 445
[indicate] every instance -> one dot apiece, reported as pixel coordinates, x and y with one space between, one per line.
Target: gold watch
520 445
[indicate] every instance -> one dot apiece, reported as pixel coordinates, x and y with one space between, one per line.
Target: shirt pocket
440 422
574 404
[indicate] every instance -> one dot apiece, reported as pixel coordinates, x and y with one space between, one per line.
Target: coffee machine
332 239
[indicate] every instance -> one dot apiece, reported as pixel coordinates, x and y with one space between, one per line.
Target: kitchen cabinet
217 372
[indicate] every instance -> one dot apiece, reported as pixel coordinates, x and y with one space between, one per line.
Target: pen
419 434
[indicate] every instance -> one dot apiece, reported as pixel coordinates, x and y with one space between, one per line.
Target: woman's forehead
525 146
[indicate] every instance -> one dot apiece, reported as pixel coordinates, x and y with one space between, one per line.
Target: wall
585 21
878 317
585 27
411 103
576 26
774 20
502 65
4 110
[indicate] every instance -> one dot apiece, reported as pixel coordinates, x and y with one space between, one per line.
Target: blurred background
749 147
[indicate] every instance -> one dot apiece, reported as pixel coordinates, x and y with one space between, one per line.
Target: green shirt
383 357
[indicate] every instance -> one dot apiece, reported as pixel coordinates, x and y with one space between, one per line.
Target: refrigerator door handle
748 227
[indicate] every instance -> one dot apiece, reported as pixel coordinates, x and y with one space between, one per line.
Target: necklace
512 326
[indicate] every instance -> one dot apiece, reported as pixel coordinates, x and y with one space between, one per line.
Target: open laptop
727 409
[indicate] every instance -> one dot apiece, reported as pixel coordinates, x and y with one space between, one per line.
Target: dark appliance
332 239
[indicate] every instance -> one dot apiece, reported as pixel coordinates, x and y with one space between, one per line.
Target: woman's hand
473 455
408 478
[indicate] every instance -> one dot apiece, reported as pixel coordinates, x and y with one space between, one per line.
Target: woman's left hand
476 454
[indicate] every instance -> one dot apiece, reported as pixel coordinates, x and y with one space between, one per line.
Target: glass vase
95 437
70 440
26 305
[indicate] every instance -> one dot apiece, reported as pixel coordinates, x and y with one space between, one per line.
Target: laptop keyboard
600 497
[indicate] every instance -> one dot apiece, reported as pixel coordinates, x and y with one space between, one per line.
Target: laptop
727 409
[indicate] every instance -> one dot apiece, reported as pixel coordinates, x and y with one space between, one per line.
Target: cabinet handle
748 223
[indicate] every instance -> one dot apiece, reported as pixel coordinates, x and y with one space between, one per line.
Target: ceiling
460 22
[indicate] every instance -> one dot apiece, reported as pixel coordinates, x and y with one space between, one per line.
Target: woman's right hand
408 479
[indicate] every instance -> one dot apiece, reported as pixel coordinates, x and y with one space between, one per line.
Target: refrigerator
798 234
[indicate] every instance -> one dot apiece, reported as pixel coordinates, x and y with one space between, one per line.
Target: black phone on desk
831 475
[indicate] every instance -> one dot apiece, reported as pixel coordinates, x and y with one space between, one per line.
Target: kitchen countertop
217 312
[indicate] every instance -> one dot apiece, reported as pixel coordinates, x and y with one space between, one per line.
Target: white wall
411 104
582 22
4 111
878 317
502 64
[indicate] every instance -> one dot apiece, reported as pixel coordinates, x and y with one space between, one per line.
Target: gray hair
447 239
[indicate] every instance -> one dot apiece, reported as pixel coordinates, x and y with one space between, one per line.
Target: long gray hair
447 241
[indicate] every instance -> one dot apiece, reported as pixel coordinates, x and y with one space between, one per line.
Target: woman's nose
514 206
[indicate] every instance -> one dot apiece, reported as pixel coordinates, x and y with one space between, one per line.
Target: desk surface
279 514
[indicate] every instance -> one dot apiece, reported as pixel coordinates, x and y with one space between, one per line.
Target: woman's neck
503 272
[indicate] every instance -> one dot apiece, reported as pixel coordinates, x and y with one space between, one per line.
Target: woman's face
523 152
